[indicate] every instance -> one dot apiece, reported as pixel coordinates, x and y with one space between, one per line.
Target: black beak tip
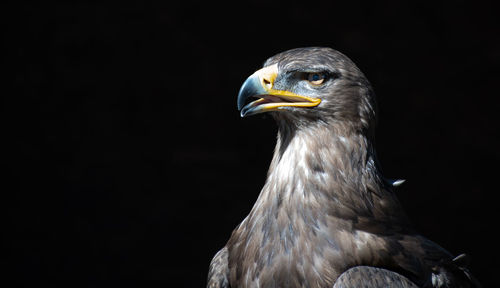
250 88
242 97
245 111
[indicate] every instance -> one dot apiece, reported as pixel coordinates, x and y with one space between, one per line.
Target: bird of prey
326 217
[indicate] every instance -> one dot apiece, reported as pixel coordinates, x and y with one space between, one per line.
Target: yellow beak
260 85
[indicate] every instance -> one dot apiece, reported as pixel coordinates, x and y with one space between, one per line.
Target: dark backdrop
127 164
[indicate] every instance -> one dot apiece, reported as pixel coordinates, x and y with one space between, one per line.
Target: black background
127 164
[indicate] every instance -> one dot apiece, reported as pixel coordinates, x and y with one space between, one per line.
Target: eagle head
305 85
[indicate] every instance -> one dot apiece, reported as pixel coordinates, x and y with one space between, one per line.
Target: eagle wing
366 276
218 272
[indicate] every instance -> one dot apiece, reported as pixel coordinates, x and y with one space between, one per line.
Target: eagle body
326 217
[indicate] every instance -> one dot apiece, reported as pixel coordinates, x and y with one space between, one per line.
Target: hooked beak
260 85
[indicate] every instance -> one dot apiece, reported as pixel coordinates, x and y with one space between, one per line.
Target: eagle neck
331 167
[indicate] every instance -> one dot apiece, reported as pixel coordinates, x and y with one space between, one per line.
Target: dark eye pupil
316 78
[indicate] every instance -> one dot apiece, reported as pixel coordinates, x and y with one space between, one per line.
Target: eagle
326 217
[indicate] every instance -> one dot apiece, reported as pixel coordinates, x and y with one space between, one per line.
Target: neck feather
330 167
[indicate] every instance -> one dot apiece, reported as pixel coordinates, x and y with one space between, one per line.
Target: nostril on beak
267 83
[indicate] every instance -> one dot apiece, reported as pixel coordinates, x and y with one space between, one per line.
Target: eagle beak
260 85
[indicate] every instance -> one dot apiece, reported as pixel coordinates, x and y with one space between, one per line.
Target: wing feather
218 271
366 276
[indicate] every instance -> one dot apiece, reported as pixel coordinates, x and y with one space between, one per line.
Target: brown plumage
326 217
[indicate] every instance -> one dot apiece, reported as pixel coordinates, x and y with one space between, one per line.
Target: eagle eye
316 78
